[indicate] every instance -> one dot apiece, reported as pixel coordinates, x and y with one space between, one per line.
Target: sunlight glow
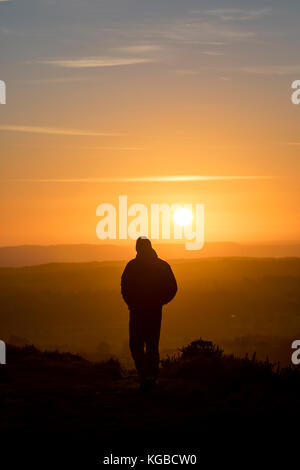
183 217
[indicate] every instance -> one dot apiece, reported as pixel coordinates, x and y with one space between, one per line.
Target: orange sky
123 102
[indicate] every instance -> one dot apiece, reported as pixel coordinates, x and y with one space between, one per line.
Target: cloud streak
56 131
236 14
114 148
140 48
95 62
142 179
271 69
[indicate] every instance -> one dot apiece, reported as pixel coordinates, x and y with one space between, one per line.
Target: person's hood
147 254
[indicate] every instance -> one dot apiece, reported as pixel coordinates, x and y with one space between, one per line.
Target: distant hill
29 255
243 304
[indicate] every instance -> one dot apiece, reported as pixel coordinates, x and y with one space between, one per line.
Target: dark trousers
144 332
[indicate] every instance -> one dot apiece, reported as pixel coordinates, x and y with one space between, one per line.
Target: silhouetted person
147 284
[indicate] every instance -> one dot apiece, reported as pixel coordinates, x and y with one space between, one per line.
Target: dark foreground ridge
62 402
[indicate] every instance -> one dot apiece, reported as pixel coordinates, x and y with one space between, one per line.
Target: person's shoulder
163 263
131 262
129 269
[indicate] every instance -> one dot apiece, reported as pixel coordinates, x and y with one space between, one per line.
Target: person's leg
136 345
152 346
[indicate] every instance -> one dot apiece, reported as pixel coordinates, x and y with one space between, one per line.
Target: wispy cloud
142 179
214 43
55 80
140 48
235 14
114 148
202 30
95 62
56 131
215 26
271 69
212 53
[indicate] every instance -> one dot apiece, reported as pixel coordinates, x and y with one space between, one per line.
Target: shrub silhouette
201 348
204 364
61 364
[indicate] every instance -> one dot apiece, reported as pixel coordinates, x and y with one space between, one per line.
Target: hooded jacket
147 281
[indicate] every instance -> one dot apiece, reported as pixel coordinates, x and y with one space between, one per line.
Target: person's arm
170 285
124 284
127 285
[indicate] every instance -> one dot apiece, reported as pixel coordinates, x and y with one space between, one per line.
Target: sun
183 217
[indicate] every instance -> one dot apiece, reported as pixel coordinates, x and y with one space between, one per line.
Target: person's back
147 284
